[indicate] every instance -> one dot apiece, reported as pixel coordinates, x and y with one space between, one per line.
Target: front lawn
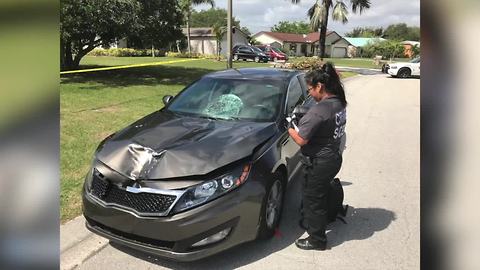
96 104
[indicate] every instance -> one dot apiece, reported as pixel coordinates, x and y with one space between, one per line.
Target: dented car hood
163 145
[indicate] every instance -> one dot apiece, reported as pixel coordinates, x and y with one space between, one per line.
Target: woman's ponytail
333 83
328 76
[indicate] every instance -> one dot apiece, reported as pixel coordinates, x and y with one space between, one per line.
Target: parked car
247 52
403 69
273 53
205 173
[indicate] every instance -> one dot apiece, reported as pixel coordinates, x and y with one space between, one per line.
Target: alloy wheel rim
274 202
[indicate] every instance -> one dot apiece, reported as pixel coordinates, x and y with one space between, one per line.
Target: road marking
128 66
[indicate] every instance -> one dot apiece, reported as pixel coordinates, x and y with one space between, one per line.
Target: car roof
255 73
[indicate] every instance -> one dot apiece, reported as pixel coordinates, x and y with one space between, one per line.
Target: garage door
339 52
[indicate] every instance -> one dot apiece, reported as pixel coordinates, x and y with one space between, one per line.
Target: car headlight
211 189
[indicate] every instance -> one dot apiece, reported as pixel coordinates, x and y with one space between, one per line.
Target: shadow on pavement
361 224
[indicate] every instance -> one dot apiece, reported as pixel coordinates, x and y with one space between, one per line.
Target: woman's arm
296 137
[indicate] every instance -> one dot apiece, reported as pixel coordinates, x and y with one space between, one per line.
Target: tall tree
402 32
211 17
86 24
291 27
187 8
319 13
161 20
365 32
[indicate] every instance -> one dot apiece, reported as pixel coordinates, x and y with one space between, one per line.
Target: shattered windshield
230 99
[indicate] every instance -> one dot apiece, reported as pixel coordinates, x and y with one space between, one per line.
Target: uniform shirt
323 126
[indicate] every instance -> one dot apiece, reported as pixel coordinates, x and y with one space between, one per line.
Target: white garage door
339 52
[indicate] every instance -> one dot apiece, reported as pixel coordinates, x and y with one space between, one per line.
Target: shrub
307 63
125 52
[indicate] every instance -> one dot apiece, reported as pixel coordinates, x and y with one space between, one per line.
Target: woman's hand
296 137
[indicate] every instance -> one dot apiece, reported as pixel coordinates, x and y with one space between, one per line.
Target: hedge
125 52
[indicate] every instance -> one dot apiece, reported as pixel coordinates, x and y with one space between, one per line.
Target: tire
404 73
257 59
235 57
275 59
272 205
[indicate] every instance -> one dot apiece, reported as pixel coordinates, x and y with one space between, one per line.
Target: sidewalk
77 244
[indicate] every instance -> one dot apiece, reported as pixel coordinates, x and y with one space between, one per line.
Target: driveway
380 175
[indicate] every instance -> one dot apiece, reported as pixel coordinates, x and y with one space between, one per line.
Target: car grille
142 203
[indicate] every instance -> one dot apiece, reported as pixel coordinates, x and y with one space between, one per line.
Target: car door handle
285 141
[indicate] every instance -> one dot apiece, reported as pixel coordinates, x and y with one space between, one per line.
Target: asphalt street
381 179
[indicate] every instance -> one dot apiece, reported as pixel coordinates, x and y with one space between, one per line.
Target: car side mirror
166 99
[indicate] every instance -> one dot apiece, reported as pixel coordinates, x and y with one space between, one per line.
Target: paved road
381 180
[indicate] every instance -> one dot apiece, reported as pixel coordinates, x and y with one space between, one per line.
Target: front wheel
404 73
257 59
272 205
235 57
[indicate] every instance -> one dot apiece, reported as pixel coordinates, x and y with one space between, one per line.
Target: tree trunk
323 30
67 57
188 34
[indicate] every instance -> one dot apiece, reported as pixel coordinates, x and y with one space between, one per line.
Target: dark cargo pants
318 175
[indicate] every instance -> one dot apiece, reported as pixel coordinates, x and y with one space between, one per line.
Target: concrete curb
77 244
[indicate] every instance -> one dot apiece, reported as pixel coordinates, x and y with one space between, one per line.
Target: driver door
290 149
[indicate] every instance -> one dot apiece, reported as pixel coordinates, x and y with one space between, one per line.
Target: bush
307 63
183 55
125 52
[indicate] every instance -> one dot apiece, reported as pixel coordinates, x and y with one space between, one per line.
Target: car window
256 49
303 83
255 100
245 49
416 60
295 95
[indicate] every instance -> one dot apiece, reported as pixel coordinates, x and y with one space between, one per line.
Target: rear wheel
404 73
272 205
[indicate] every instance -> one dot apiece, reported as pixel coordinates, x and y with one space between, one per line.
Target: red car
273 53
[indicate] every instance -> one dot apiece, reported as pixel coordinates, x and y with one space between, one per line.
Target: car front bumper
172 236
392 72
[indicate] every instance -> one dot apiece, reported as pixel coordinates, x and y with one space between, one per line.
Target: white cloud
261 15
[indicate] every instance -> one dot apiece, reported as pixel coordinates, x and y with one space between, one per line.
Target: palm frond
199 2
360 5
316 13
340 12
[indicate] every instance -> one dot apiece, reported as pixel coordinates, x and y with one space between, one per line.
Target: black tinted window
295 95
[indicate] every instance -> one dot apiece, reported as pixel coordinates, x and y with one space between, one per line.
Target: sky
261 15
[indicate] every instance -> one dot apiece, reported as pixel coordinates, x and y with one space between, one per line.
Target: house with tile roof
305 45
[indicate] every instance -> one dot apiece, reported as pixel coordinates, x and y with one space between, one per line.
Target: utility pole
229 34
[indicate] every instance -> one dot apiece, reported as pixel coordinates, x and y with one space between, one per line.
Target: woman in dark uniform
320 132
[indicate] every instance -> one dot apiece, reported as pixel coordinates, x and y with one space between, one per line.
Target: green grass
96 104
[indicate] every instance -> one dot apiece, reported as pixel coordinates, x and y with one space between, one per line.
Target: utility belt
325 153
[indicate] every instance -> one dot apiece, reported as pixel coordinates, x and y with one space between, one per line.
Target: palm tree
319 12
219 31
187 6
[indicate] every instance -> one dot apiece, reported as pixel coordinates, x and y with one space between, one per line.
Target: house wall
238 38
339 49
203 45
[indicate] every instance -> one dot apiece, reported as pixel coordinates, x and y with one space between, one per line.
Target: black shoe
306 244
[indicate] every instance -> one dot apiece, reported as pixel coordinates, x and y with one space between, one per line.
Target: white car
404 69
